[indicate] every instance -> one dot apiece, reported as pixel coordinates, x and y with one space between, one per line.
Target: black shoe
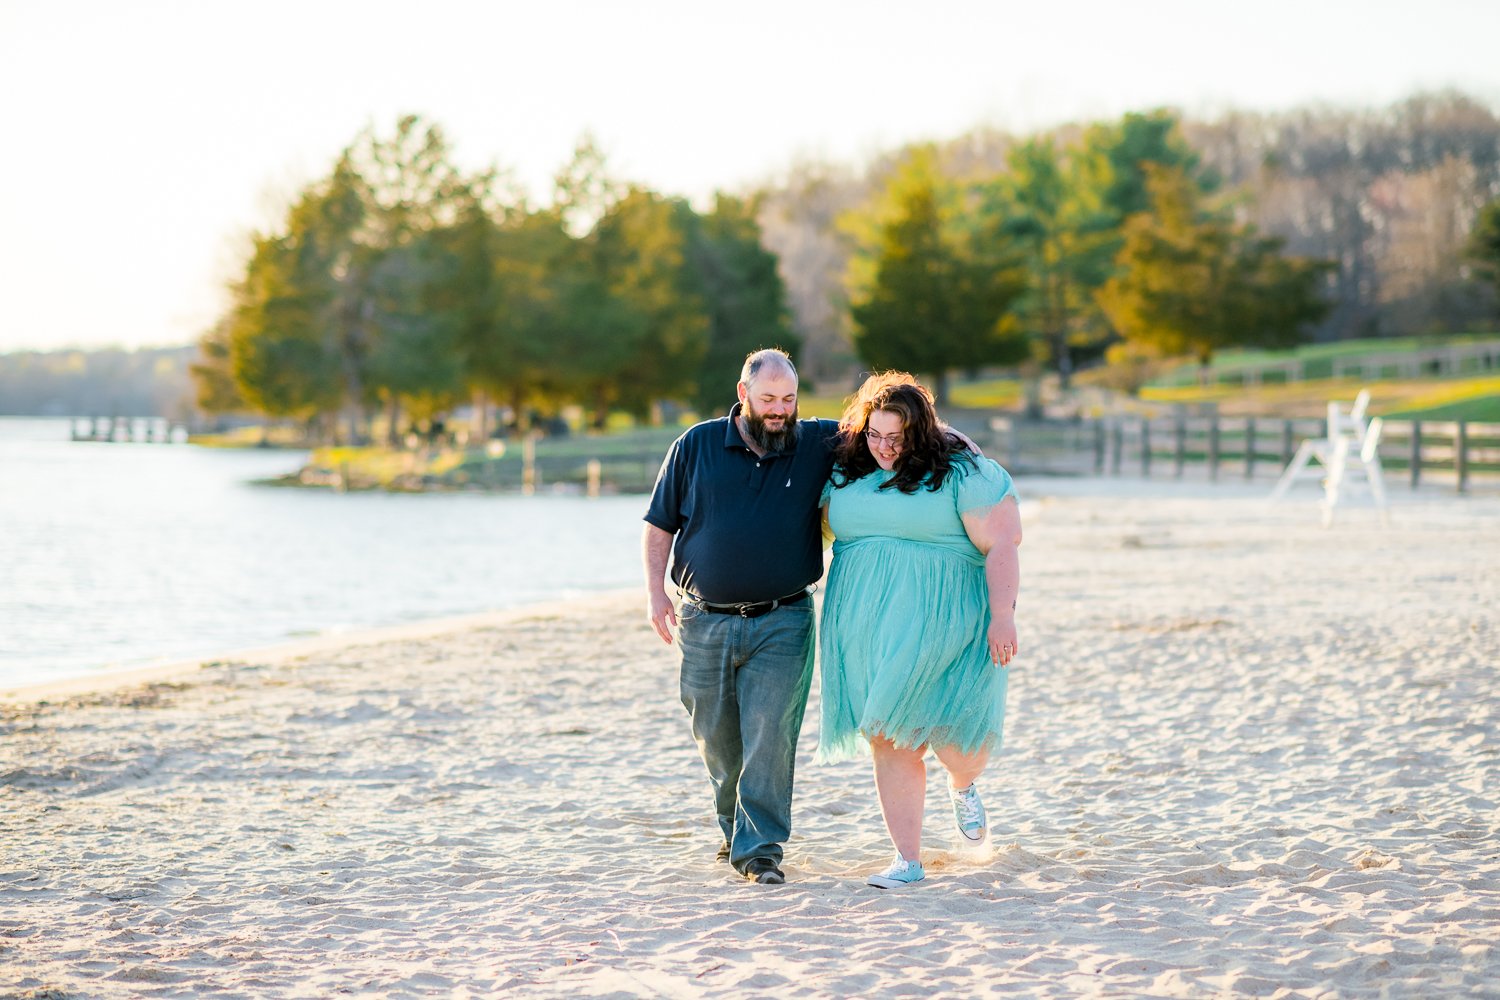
723 854
764 871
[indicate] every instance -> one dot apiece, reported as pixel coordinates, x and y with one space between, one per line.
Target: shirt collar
732 438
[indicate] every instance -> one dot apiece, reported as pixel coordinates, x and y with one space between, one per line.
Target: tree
1191 282
380 282
1484 243
414 359
799 223
592 299
1068 242
936 297
282 361
583 192
639 327
1423 287
1389 193
296 319
213 373
737 280
1118 160
407 290
522 355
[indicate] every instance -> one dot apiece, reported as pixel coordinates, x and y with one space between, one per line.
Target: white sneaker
901 872
968 813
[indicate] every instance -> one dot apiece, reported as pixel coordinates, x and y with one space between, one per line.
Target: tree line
1387 198
109 382
1120 240
398 284
402 286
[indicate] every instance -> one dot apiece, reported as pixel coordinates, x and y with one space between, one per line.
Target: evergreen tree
1117 161
737 280
1068 240
407 290
524 357
1192 282
1484 244
215 390
937 297
282 362
643 327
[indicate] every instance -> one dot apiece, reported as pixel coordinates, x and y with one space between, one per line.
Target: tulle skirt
904 651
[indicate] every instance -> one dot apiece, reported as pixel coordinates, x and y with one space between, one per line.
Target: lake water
125 555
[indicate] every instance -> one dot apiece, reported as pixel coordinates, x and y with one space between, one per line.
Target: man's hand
661 614
655 547
969 442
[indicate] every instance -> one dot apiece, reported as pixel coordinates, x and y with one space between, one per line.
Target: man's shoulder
711 429
702 434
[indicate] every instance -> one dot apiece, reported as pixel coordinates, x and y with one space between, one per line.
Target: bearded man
736 505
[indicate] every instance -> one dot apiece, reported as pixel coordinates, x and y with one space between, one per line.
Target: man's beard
765 438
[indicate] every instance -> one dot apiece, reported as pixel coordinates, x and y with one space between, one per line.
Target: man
736 506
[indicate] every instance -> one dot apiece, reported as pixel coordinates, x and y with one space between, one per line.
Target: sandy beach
1245 757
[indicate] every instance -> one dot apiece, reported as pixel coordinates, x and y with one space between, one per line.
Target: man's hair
772 358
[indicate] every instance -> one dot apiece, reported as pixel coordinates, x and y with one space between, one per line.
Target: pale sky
145 140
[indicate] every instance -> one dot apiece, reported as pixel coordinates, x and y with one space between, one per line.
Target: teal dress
903 644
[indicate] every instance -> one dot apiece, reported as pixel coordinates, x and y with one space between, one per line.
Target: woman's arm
996 533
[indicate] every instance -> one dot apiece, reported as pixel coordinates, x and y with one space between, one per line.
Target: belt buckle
745 609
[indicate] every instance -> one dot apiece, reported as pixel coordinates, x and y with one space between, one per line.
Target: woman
919 617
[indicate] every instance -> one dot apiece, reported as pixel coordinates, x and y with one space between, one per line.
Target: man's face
770 408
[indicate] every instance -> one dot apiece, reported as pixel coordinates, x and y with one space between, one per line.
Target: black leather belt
752 610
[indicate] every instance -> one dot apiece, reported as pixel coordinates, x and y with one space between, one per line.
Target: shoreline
271 654
1299 507
1244 756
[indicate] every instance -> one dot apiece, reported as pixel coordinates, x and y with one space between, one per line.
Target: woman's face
883 436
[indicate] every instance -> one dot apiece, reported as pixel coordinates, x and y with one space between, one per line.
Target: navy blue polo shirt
747 528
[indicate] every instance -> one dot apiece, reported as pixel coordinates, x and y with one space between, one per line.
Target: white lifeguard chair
1352 443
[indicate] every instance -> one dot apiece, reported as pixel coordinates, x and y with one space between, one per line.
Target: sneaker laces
899 866
969 804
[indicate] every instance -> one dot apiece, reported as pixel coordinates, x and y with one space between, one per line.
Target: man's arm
656 546
969 442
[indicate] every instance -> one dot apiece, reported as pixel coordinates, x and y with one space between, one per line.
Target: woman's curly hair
927 449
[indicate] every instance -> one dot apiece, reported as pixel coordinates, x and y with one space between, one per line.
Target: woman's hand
997 534
1002 640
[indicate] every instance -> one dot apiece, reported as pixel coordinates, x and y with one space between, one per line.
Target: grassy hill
1459 398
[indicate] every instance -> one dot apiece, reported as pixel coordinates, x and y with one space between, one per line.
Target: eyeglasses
891 441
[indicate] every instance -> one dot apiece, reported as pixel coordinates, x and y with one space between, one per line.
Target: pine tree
1192 282
937 296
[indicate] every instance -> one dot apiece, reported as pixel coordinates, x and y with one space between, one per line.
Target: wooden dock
139 430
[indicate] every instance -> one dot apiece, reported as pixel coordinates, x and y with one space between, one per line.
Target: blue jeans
745 683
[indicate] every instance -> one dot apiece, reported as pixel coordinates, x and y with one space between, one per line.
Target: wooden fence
1475 357
1224 449
1240 448
631 471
